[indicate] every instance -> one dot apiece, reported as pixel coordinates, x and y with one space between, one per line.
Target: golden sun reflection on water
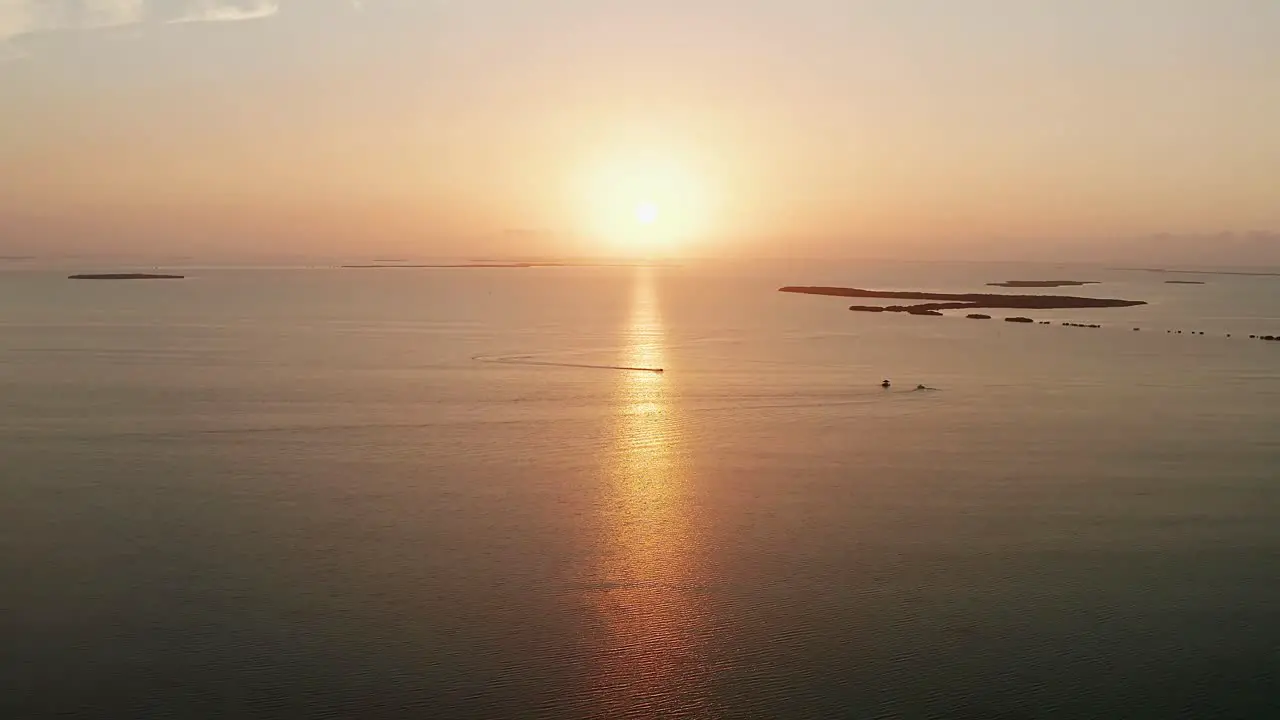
653 661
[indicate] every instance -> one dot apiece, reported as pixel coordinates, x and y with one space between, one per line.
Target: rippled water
408 493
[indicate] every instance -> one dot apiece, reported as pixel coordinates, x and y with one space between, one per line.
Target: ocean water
431 493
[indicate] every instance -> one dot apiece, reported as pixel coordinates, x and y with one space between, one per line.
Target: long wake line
526 360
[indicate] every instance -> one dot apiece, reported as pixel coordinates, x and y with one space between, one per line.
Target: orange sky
333 128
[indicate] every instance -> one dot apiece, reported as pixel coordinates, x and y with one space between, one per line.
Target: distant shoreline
1205 272
964 301
379 266
125 276
499 265
1042 283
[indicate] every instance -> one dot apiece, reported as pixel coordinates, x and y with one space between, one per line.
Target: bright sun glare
643 203
646 213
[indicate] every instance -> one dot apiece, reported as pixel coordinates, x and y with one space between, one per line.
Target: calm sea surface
406 493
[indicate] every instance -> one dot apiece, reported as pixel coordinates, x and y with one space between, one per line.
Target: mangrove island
962 301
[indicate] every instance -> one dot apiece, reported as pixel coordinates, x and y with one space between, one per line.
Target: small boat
884 384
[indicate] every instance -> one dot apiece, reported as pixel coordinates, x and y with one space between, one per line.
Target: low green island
1205 272
960 301
125 276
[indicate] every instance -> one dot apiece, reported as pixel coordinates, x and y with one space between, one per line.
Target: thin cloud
22 19
111 13
28 17
215 11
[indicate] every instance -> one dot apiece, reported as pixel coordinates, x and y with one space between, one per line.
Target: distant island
458 265
962 301
1206 272
1042 283
125 276
387 264
1183 282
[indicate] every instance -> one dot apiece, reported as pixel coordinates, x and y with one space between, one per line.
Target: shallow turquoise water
321 493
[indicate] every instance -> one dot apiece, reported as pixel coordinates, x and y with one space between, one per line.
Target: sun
642 201
646 213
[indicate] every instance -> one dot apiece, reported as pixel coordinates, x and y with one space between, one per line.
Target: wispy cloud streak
19 18
111 13
22 17
28 17
215 11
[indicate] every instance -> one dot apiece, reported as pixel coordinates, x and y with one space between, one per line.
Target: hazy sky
471 127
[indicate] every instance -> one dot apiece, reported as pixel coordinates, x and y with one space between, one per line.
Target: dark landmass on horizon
1183 282
125 276
506 265
963 301
455 265
1042 283
1206 272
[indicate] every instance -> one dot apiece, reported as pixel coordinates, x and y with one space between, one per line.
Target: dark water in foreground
285 494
